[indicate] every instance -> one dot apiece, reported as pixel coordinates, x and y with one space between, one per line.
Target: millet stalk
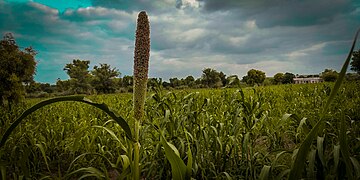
141 64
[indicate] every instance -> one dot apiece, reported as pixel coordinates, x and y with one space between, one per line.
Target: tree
288 78
254 77
127 81
223 78
103 80
329 75
17 67
355 63
278 78
233 81
211 78
190 81
80 77
175 82
154 83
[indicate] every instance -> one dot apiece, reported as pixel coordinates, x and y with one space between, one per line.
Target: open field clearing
226 133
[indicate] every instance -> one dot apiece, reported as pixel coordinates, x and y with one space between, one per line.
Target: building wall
307 80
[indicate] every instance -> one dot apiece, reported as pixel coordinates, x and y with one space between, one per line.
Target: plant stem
141 63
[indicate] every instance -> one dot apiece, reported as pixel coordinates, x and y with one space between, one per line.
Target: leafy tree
329 75
80 77
233 81
223 78
36 87
278 78
127 81
103 80
63 86
154 83
211 78
17 67
190 81
254 77
288 78
355 63
175 82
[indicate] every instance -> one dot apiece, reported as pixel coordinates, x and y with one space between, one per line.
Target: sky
187 36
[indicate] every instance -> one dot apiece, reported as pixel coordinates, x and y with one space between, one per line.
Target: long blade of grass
265 172
42 150
178 168
356 164
300 159
124 125
190 158
344 148
341 75
112 134
336 156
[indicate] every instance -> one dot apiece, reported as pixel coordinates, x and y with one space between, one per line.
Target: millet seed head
141 63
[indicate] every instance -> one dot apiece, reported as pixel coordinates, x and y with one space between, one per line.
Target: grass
239 134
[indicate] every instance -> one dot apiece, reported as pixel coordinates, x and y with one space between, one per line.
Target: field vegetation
231 133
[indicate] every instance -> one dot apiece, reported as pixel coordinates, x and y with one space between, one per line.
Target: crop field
250 133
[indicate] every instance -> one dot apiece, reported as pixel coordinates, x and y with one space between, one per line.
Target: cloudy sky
233 36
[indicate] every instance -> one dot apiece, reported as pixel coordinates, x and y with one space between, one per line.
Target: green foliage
103 80
80 76
216 122
233 81
288 78
16 68
254 77
355 63
212 78
278 78
329 75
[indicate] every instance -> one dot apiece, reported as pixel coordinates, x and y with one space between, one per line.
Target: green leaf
300 158
341 75
82 99
42 150
178 168
265 172
320 149
298 164
311 171
3 171
228 177
356 164
336 156
190 158
112 134
344 148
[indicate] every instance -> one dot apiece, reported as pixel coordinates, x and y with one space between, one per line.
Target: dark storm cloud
283 12
137 5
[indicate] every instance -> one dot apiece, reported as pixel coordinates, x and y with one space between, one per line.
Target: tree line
17 70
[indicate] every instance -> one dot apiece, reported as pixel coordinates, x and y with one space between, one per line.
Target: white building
308 80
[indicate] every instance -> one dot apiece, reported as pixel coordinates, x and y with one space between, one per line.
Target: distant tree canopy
278 78
80 76
103 80
233 81
254 77
17 67
329 75
355 63
288 78
212 78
